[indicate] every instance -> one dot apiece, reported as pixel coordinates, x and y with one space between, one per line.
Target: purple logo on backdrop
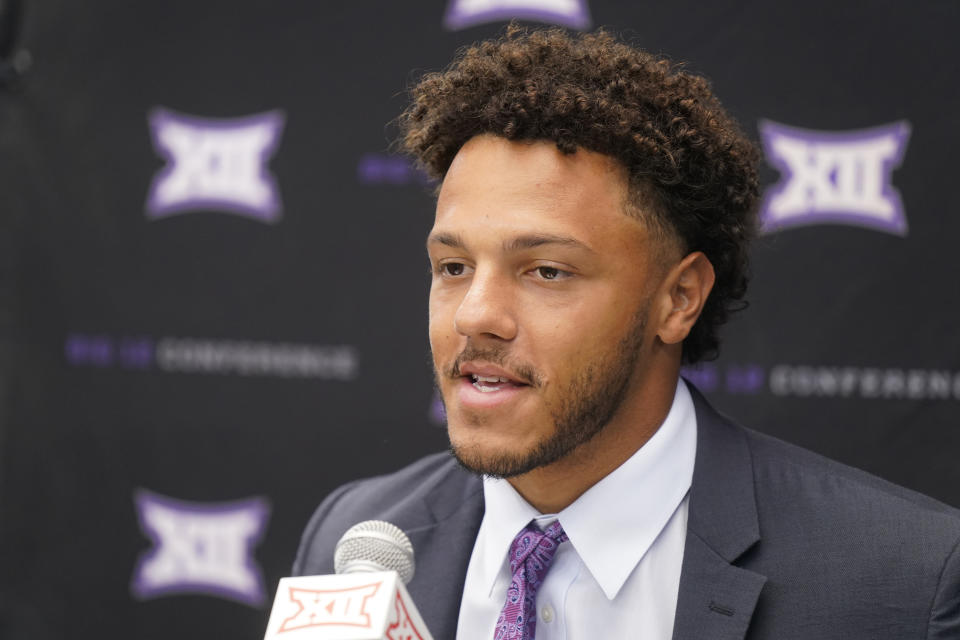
200 548
212 356
467 13
736 379
704 375
380 169
438 412
835 177
104 351
747 379
218 165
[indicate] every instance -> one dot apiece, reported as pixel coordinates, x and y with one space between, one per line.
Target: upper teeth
477 378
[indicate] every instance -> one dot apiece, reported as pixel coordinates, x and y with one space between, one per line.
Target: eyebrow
518 243
539 239
449 239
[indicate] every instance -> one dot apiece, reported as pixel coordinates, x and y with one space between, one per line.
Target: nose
486 310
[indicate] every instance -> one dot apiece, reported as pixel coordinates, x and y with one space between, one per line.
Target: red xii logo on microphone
341 607
401 626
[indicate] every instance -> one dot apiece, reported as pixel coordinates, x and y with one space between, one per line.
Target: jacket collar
443 529
717 598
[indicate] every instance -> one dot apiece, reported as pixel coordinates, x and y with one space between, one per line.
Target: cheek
441 329
567 325
438 339
565 343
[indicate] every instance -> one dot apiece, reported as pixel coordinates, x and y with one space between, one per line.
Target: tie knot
555 532
531 540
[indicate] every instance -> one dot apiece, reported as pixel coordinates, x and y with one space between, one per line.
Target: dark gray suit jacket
782 544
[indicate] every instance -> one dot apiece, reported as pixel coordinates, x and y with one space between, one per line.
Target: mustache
500 357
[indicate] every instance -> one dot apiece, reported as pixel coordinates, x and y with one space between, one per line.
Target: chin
508 461
473 449
493 465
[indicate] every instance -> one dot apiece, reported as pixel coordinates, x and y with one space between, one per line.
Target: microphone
364 600
374 545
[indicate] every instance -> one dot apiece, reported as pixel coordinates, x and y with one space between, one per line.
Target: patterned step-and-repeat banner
214 284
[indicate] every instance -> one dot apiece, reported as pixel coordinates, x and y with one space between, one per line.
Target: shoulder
409 497
782 470
831 542
861 539
787 482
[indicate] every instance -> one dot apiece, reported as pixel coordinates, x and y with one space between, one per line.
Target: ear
683 294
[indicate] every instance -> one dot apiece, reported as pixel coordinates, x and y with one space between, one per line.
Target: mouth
492 384
484 385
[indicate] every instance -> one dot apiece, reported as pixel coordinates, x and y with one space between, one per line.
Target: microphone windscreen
375 545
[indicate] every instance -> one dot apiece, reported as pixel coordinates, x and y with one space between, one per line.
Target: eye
549 273
451 268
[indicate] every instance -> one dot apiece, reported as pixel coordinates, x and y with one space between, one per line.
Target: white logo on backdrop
466 13
215 165
204 548
835 177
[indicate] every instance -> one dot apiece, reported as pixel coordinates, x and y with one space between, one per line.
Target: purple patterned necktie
531 553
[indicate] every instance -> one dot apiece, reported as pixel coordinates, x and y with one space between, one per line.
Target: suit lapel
446 524
716 598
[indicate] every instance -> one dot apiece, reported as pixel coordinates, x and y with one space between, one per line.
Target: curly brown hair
692 171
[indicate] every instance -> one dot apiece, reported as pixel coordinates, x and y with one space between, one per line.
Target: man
591 235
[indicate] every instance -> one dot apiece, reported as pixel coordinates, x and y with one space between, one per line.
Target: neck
553 487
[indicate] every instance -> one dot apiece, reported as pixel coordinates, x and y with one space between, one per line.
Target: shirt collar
614 523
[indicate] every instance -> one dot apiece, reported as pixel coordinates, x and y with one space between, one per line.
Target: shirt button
546 613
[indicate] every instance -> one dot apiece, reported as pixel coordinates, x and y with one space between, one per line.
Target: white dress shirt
619 573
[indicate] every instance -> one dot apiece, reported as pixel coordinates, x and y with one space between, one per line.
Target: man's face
539 301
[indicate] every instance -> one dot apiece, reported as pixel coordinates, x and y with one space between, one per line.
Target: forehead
503 184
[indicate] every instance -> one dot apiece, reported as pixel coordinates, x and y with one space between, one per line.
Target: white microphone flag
351 606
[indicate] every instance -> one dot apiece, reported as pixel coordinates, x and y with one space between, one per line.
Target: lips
486 373
488 384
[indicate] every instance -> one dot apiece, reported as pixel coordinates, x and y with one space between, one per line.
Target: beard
586 404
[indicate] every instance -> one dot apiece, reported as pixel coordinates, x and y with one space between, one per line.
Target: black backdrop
216 358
